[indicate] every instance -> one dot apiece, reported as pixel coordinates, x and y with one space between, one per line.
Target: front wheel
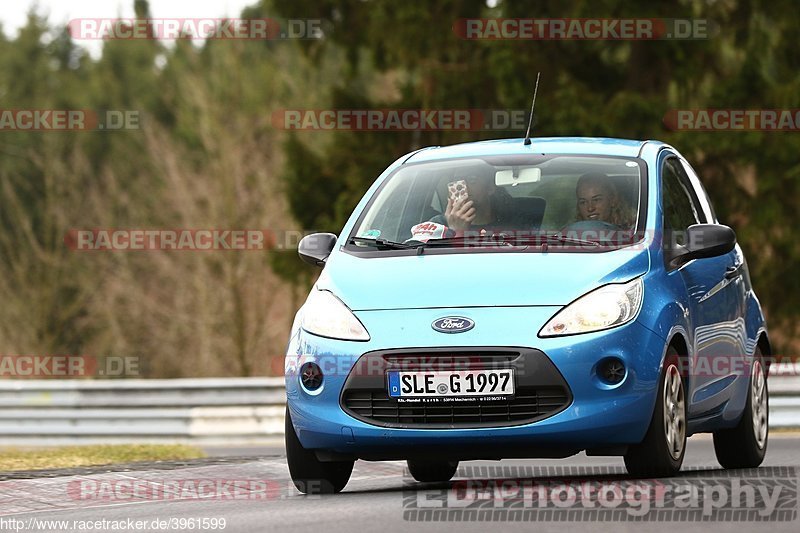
661 452
746 445
309 474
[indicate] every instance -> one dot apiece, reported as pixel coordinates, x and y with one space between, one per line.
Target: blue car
499 299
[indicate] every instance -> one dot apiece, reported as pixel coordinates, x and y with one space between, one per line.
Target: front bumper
599 416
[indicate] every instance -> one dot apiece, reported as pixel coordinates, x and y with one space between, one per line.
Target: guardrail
209 411
784 396
212 411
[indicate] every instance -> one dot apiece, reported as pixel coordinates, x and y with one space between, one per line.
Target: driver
597 199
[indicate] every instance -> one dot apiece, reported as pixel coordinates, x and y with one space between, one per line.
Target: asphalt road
380 496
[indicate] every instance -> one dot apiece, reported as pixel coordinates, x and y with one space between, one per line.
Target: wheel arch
677 340
766 350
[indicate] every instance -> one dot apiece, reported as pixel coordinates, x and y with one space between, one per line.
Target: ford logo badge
453 324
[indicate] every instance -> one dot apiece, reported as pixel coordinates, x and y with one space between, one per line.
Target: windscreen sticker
427 230
371 234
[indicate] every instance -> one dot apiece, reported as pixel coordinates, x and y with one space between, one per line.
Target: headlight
325 315
603 308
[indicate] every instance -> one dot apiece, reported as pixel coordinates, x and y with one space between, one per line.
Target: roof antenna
527 140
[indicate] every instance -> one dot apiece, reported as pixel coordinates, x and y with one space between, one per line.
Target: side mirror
708 240
314 249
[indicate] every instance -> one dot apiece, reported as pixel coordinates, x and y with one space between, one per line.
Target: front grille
528 405
540 389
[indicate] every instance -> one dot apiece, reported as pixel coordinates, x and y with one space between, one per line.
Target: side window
700 192
680 212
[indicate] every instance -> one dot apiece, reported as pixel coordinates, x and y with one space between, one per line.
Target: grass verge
72 456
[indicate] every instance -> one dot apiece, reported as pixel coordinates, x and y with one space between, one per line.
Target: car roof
539 145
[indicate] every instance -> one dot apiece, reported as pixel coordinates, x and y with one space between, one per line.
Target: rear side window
680 211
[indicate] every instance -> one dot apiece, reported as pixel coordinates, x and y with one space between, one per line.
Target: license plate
455 384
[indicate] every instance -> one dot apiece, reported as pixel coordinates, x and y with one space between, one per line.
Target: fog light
611 370
311 376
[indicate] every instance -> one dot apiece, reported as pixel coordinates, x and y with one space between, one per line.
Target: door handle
733 271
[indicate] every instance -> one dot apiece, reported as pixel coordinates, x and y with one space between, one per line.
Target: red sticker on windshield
427 230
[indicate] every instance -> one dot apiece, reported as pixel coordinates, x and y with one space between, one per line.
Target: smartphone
457 190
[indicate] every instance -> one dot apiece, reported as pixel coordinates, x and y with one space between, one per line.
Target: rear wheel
430 471
746 445
661 452
309 474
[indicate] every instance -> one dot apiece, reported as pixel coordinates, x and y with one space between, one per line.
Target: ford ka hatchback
496 300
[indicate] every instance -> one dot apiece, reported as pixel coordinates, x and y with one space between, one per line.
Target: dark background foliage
207 155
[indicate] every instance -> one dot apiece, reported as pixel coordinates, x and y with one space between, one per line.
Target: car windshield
565 199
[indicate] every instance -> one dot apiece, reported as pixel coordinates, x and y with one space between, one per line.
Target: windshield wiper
381 244
499 239
473 240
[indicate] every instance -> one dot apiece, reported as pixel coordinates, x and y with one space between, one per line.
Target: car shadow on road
509 477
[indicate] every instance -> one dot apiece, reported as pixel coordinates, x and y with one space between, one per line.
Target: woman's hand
459 214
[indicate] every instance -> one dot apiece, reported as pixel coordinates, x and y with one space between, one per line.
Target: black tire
656 456
309 474
740 447
432 471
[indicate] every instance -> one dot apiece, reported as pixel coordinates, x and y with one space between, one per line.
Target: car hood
475 279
